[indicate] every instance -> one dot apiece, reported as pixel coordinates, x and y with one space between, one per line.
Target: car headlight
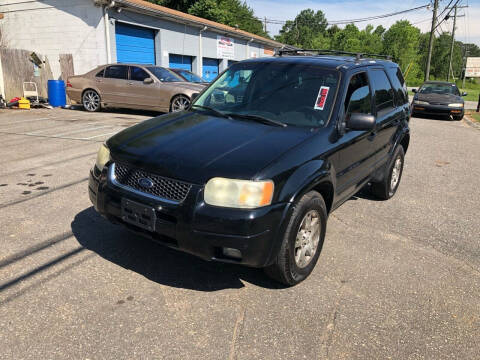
455 105
238 193
419 102
103 156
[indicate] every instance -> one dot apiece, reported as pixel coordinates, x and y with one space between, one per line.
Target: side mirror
358 121
194 96
464 94
414 90
148 80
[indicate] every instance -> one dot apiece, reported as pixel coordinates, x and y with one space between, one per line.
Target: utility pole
265 24
430 43
453 43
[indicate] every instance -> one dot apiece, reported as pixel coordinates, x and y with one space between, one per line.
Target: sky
467 29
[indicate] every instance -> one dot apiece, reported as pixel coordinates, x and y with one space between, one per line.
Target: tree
229 12
307 31
180 5
402 41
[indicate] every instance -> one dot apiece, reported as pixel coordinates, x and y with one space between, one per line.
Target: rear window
399 86
117 72
382 90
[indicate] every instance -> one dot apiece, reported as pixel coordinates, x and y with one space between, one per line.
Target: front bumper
431 109
196 227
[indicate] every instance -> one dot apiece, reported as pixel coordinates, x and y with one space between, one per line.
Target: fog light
233 253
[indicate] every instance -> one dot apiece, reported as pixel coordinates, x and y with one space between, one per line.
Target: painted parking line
85 130
93 137
21 121
56 126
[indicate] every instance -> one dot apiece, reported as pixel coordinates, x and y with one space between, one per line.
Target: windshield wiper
259 119
216 112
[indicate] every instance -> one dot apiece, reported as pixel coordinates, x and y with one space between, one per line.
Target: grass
475 116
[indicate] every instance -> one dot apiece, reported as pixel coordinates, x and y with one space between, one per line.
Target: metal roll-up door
134 44
180 62
210 69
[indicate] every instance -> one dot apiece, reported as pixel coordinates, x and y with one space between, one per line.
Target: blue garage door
180 62
135 44
210 69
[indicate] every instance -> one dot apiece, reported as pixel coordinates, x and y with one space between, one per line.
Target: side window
117 72
399 87
359 98
382 89
100 73
138 74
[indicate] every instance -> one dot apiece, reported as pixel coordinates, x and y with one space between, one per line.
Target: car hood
195 147
439 98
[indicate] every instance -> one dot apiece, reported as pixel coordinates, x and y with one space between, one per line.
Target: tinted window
117 72
359 98
164 74
294 93
399 87
382 89
138 74
100 73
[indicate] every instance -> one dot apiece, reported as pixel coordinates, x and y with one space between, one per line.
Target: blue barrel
56 93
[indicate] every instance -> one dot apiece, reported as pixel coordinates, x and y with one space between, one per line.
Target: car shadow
159 263
120 111
433 117
366 194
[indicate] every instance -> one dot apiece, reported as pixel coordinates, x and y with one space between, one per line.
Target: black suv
249 173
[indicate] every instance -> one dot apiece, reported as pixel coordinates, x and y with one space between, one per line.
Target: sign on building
225 47
472 68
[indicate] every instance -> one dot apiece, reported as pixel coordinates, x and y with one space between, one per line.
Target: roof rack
310 52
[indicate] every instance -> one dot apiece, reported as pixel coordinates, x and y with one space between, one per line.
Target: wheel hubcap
396 171
180 103
91 100
307 239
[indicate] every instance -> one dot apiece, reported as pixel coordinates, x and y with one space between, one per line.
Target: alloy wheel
180 103
91 100
307 239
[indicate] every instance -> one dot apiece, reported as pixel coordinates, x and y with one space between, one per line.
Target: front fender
305 178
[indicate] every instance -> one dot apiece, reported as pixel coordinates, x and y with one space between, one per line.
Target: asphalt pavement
397 279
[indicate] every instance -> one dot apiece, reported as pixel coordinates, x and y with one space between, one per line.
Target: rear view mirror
414 90
148 80
464 94
358 121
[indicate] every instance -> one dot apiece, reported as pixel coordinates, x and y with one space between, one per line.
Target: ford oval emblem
145 183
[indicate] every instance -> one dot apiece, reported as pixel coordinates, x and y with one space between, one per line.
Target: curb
471 123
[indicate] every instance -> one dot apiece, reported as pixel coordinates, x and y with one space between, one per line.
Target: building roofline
178 16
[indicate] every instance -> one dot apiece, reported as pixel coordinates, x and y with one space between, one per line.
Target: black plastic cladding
162 187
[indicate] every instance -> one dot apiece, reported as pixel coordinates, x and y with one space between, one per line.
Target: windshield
163 74
447 89
291 93
189 76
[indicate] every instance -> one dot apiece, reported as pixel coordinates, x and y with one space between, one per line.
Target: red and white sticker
321 98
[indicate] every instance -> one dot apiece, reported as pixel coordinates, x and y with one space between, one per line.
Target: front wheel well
405 142
326 190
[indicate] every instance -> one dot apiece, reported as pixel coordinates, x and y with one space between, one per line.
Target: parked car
249 174
438 98
190 76
134 86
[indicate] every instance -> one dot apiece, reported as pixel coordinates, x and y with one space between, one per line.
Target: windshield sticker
321 98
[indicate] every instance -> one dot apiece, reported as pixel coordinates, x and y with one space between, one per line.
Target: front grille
164 188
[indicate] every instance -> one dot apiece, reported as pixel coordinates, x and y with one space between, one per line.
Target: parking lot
398 279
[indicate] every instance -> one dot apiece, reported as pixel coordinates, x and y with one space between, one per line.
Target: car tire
385 189
179 103
304 235
91 100
457 118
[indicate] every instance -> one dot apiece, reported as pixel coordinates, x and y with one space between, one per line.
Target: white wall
53 27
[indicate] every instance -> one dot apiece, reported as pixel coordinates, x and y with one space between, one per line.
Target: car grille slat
164 188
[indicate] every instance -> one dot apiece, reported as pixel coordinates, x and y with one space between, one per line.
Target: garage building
96 32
